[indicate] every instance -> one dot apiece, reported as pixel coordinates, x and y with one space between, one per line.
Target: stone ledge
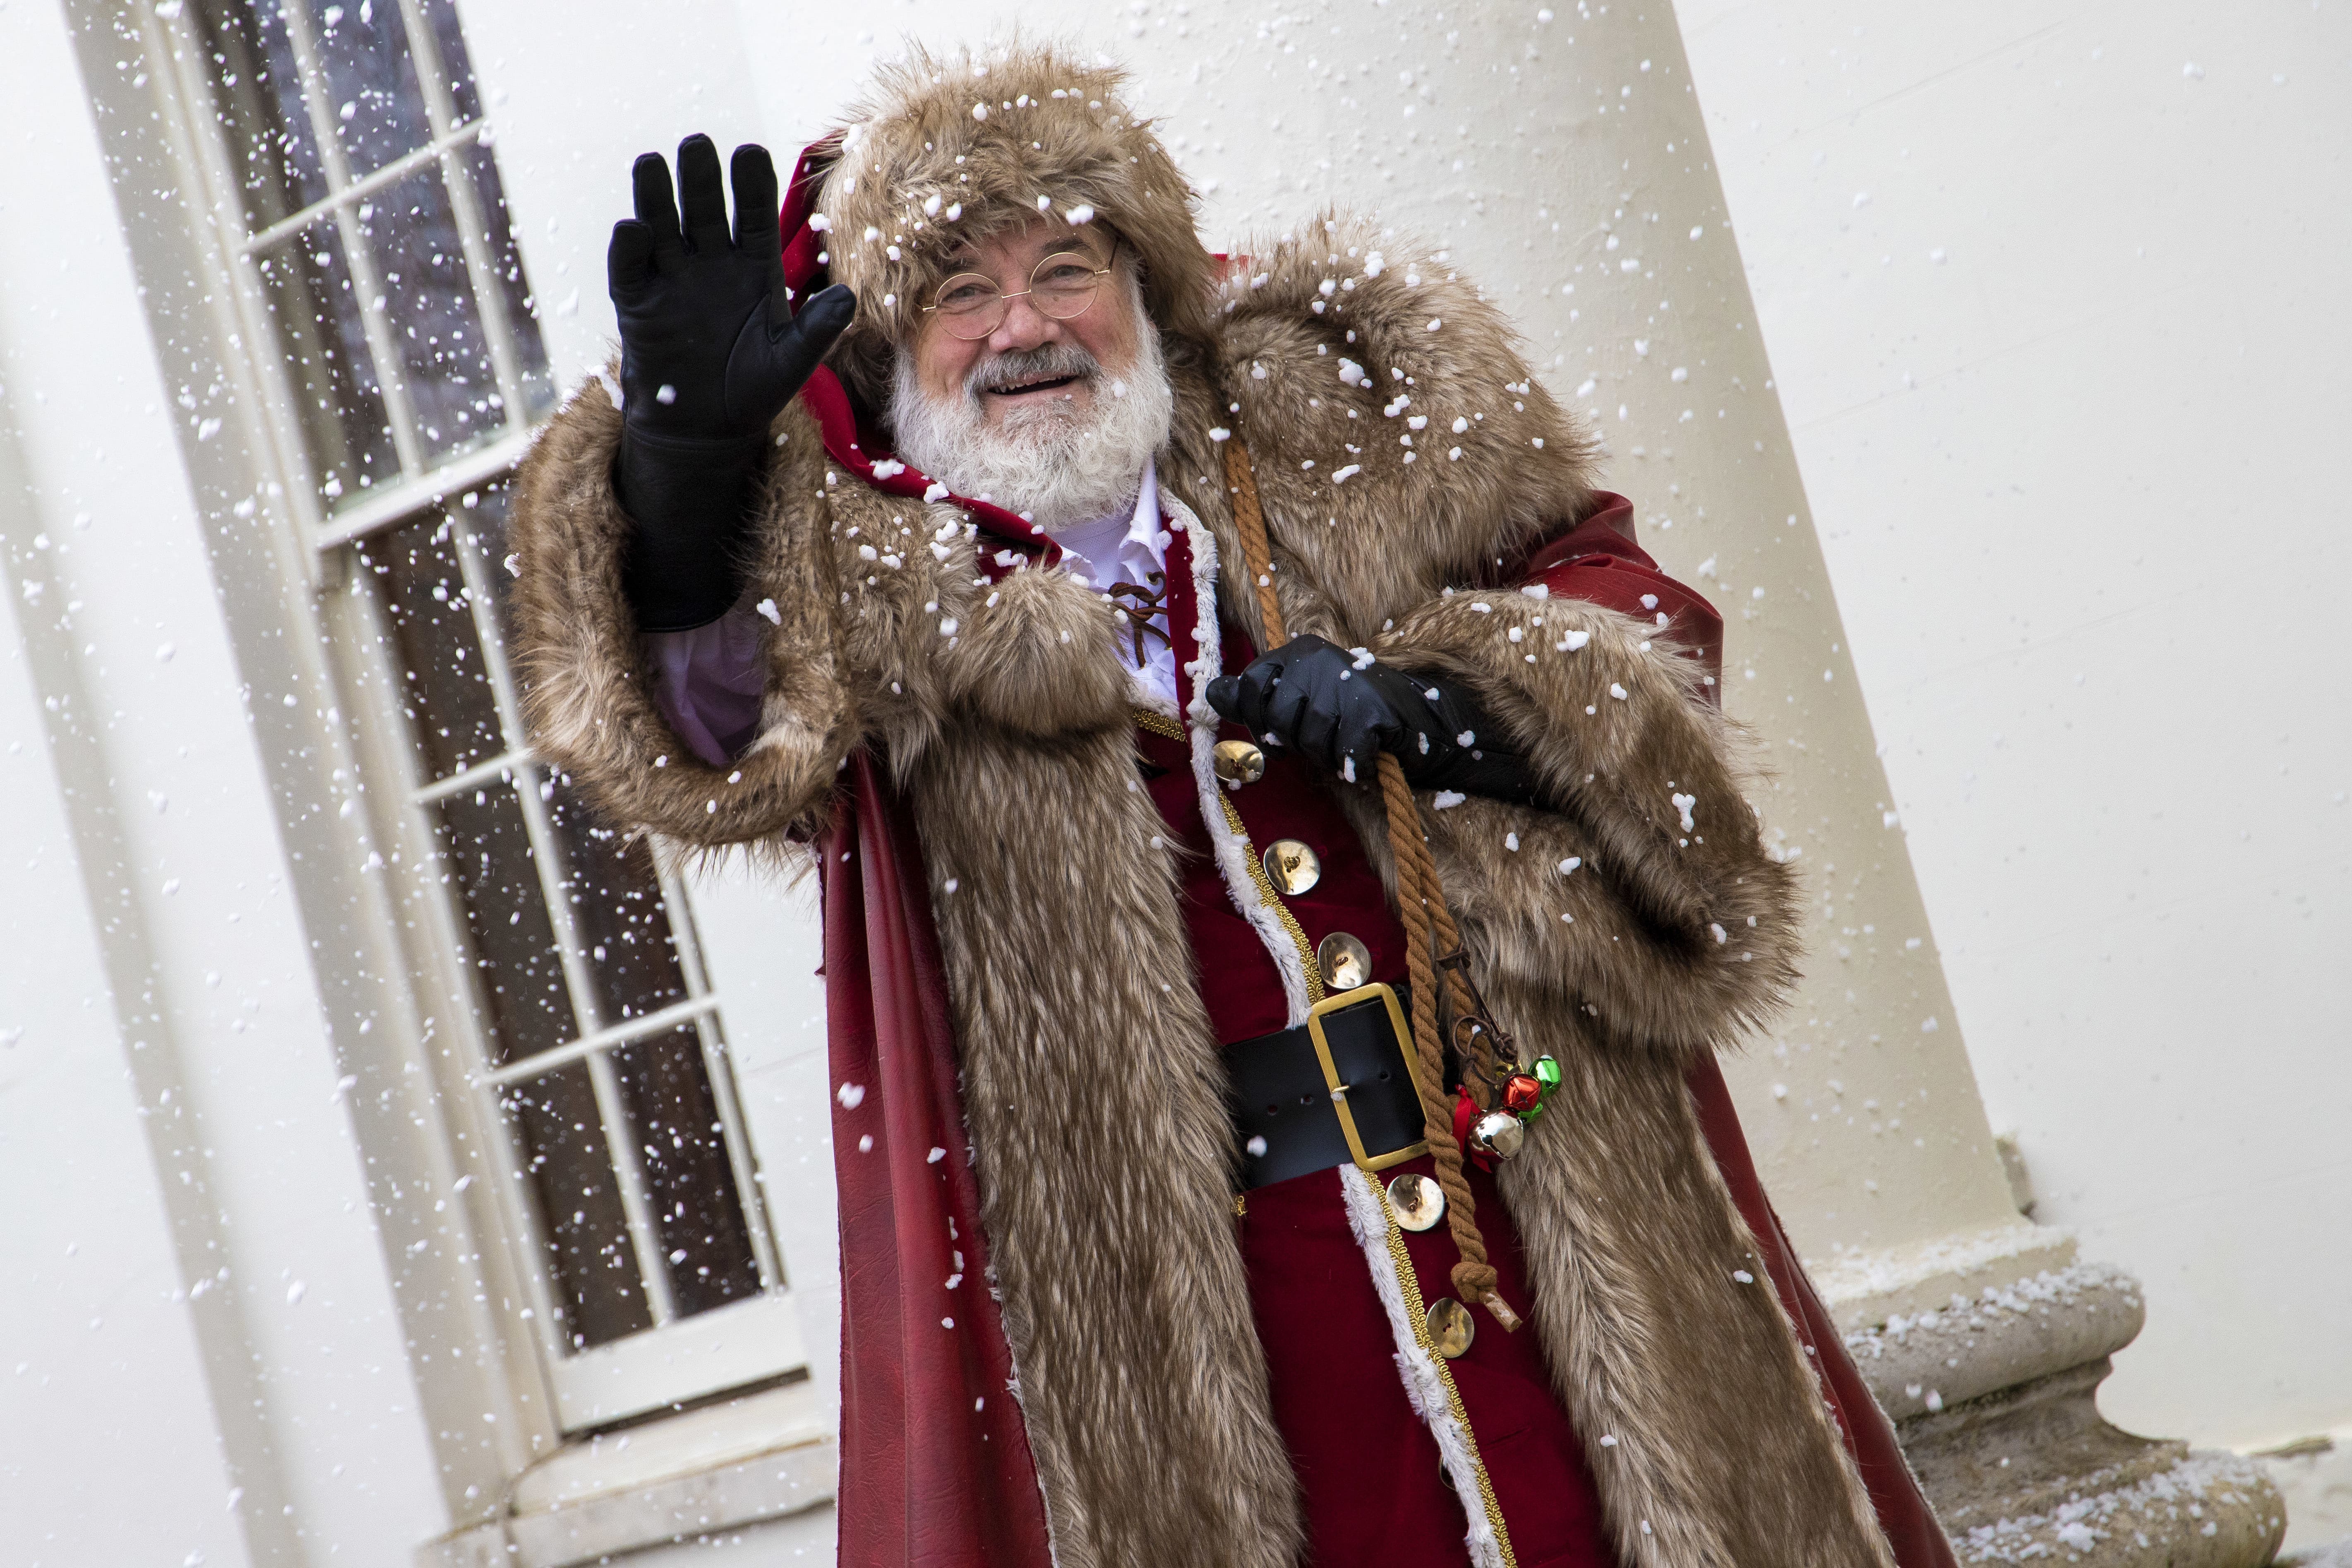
1864 1290
2004 1335
784 1480
2204 1511
2034 1474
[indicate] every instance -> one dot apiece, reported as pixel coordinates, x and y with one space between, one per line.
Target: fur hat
944 149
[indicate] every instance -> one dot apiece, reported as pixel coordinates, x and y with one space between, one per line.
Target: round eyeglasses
970 306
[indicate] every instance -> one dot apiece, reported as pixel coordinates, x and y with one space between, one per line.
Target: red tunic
1368 1467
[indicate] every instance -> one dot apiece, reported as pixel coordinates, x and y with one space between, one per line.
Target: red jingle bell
1522 1093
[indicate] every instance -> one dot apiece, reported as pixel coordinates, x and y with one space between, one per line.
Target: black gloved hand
710 353
1343 709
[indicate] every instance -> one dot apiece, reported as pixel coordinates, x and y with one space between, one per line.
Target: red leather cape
935 1465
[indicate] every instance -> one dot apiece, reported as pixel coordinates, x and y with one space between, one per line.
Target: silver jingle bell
1499 1133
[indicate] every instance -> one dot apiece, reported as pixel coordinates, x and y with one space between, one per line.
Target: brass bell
1238 762
1499 1133
1417 1201
1292 867
1451 1327
1344 960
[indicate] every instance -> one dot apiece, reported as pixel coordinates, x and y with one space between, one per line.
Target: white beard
1053 464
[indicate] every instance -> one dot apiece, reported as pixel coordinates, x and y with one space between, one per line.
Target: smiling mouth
1048 384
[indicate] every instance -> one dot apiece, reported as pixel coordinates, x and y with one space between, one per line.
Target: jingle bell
1547 1071
1521 1094
1499 1133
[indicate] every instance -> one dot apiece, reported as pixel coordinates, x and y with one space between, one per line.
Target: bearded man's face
1054 418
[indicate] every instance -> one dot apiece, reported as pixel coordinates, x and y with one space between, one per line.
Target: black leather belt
1337 1089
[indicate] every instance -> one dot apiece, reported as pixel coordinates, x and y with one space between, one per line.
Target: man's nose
1024 327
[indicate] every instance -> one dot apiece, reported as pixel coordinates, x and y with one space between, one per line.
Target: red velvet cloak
935 1468
935 1464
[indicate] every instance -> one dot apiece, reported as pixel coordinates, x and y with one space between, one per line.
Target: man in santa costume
1064 617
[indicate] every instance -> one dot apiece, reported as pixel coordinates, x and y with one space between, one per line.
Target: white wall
219 1368
2057 298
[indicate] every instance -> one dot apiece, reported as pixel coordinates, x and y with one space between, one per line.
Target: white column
1559 153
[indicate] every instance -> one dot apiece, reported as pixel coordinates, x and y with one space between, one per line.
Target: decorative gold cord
1421 903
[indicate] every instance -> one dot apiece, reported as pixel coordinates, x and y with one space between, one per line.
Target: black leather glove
1343 709
710 353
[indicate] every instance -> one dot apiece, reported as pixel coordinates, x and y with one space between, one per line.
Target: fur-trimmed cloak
919 677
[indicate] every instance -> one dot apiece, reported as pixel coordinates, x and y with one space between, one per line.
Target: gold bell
1499 1133
1238 762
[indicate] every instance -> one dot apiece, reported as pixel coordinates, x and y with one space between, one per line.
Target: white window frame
678 1359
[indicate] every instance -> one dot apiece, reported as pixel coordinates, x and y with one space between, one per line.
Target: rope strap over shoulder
1432 941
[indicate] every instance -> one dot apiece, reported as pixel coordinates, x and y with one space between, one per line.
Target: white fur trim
1425 1381
1233 850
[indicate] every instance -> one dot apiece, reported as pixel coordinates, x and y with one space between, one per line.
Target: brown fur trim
986 136
1674 931
1096 1097
1724 1454
586 689
1376 524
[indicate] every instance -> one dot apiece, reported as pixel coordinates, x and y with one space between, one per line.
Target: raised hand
710 354
703 309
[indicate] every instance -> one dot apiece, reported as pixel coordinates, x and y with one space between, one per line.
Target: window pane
519 978
444 687
484 519
582 1224
617 904
445 364
308 287
531 352
368 80
260 95
456 67
688 1182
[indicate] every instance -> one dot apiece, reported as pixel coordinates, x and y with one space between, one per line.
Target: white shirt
1130 547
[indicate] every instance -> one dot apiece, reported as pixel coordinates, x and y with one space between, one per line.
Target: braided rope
1428 924
1250 523
1420 900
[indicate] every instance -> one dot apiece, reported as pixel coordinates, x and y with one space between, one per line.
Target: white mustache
1049 361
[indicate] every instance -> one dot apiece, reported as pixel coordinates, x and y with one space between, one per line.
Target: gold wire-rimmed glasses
1062 286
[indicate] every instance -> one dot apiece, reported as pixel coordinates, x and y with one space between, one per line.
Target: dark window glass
261 110
364 87
582 1222
452 385
367 80
307 283
617 901
444 688
688 1182
531 350
457 66
520 976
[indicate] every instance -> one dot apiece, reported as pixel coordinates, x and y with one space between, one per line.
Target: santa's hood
945 149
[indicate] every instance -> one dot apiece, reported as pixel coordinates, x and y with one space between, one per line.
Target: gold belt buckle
1337 1003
